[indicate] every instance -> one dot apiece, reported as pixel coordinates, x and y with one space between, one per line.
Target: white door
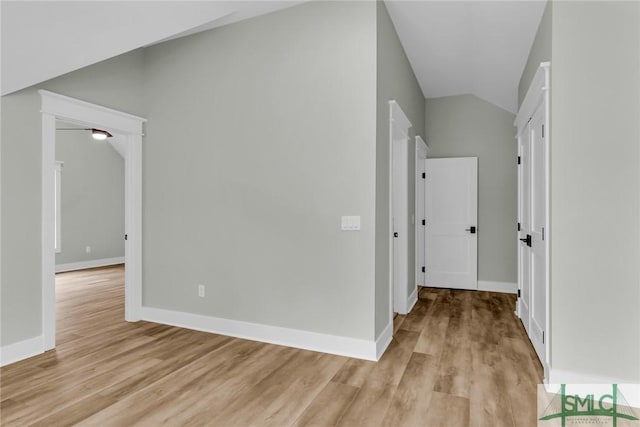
400 200
401 291
533 213
420 219
538 222
524 202
451 197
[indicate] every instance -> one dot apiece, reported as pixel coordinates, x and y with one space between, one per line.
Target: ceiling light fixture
97 134
100 135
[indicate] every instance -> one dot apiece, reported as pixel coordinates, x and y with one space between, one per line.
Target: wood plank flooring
460 358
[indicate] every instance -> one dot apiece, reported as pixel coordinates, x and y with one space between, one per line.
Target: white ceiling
459 47
455 47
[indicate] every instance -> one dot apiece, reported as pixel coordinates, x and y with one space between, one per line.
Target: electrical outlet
201 291
87 249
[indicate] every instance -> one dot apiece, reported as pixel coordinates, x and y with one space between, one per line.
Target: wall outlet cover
350 223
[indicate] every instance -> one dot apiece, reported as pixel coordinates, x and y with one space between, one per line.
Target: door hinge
125 237
518 159
518 226
424 269
543 130
542 233
542 337
424 175
424 222
518 293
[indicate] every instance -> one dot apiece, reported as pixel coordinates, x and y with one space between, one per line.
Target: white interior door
524 251
533 213
421 263
451 196
400 201
538 222
401 291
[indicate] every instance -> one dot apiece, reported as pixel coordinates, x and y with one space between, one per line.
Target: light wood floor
459 359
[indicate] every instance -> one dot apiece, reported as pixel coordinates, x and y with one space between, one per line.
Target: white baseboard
384 340
21 350
333 344
506 287
405 307
412 300
61 268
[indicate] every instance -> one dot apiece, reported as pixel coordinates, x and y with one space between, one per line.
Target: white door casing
59 107
420 221
452 222
57 182
533 133
399 126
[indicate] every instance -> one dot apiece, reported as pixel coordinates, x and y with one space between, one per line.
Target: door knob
471 230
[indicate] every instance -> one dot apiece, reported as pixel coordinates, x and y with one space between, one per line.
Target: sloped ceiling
45 39
455 47
460 47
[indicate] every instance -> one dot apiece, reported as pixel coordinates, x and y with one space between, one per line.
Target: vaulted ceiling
455 47
478 47
45 39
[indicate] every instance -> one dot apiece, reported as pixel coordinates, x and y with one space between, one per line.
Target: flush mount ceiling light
100 135
97 134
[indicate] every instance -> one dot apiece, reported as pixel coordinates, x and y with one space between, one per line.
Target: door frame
540 92
422 151
59 107
399 126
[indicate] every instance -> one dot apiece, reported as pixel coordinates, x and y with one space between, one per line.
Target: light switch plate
350 223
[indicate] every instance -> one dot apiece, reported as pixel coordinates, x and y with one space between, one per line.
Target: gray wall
395 80
92 197
540 51
467 126
259 138
115 83
595 189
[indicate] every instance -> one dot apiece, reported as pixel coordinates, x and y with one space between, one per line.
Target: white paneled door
451 208
533 214
524 229
538 310
421 158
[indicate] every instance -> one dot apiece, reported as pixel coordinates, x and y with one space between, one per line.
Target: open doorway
89 230
89 199
56 108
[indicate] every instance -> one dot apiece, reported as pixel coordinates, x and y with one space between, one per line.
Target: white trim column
133 229
48 259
